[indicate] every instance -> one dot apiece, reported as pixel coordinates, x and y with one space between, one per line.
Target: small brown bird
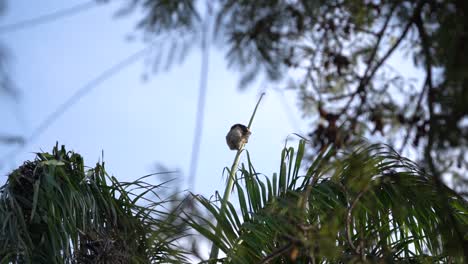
237 136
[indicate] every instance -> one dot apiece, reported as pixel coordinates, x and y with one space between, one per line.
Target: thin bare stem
227 192
255 110
349 219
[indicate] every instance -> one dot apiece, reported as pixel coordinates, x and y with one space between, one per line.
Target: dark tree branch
5 139
366 31
369 74
278 252
430 97
416 13
339 97
416 110
430 140
364 80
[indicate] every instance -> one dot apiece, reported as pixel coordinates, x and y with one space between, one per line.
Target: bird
237 136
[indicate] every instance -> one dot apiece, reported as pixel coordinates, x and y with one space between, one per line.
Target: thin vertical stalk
227 192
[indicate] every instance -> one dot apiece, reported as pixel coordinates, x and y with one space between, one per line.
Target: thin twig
54 16
348 221
339 97
365 79
416 110
75 98
255 110
278 252
417 11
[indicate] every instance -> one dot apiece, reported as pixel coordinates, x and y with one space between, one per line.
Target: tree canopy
335 198
337 56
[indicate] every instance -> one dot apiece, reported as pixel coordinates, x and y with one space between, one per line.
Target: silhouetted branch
430 141
278 252
48 17
11 140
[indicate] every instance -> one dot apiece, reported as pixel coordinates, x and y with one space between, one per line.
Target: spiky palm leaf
370 205
53 210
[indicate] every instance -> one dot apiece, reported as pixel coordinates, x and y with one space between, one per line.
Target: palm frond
53 210
368 205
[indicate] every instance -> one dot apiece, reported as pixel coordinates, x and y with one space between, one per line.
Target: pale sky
137 124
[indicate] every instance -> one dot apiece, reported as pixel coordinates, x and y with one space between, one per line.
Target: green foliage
371 205
54 210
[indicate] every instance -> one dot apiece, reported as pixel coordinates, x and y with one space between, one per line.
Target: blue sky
136 123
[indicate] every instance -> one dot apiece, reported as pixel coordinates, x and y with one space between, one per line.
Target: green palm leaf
370 205
53 210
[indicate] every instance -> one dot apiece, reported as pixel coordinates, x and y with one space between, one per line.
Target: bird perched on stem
237 136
